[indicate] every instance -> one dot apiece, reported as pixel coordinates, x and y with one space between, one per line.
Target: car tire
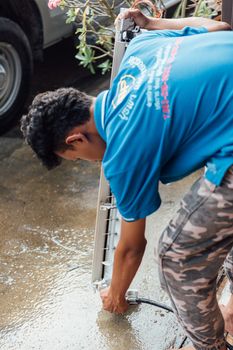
16 65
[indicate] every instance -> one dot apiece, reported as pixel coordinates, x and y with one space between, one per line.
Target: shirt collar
99 113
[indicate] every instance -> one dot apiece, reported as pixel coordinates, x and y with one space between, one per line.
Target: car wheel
15 72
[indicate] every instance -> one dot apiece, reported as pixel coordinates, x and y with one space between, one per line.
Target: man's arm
151 23
127 258
180 23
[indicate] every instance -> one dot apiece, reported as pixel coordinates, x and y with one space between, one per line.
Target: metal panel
108 218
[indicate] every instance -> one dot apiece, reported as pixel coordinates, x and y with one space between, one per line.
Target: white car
26 28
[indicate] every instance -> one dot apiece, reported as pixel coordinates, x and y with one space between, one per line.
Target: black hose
155 303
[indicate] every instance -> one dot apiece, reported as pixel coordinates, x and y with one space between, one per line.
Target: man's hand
139 18
111 305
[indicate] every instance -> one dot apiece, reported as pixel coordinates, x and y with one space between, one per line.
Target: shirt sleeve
136 192
186 31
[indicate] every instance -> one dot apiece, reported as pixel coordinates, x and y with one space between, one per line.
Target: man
168 113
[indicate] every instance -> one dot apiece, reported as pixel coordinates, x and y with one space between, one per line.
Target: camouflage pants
191 250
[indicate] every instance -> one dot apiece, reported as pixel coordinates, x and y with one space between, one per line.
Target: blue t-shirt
168 113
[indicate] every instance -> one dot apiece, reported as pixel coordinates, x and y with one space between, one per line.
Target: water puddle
47 224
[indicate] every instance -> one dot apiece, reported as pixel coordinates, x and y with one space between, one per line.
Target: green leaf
71 15
79 57
91 68
105 66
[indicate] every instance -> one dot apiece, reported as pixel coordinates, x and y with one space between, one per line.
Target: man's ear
76 138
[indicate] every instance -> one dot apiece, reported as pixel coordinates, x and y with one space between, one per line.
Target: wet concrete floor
47 222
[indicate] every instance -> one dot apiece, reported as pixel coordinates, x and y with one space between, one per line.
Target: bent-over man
168 113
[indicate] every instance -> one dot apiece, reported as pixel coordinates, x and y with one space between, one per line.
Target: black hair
50 118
